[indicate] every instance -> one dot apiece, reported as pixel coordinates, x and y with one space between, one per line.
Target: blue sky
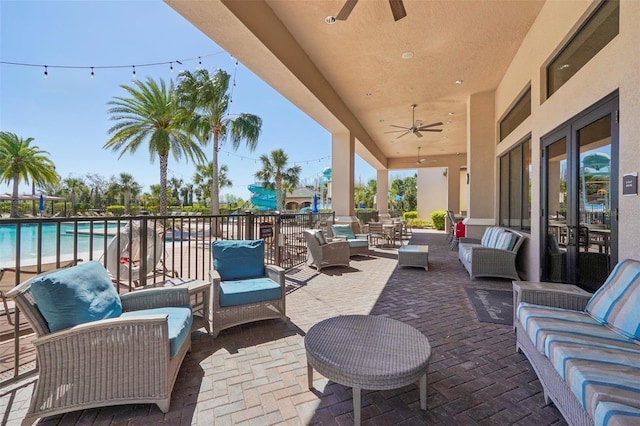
66 113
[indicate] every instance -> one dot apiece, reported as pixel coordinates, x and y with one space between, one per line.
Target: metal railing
138 251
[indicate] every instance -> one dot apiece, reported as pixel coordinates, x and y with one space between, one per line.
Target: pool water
29 241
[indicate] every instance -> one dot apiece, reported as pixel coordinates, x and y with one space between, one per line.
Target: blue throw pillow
343 231
76 295
238 259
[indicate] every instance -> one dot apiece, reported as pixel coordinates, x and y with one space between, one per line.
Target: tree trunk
215 178
14 198
164 162
279 200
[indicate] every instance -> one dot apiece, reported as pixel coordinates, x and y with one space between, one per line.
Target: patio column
342 170
382 194
481 161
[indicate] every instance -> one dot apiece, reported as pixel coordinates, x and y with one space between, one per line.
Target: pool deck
256 374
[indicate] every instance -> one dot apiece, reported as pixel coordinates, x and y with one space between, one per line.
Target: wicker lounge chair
244 288
322 253
127 350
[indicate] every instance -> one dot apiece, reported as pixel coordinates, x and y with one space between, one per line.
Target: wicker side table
368 352
548 294
411 255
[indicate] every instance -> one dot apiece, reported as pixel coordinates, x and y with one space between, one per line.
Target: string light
92 73
255 160
93 68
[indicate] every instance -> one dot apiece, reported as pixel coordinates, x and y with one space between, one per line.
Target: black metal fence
137 251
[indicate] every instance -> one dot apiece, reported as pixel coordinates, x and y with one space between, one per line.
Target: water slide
262 198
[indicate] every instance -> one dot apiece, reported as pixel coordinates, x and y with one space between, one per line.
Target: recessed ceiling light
382 120
452 113
458 81
368 94
407 55
330 20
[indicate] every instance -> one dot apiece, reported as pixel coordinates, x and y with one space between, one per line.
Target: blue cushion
234 293
616 302
343 231
76 295
238 259
506 241
179 320
358 243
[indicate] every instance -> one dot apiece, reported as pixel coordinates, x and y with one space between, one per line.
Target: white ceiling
352 73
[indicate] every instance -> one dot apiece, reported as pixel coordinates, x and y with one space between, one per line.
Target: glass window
515 187
595 34
520 111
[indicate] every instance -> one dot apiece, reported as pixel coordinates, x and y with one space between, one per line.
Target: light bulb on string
199 62
171 66
46 73
92 73
134 71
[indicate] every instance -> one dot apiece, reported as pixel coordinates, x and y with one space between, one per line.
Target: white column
342 170
382 194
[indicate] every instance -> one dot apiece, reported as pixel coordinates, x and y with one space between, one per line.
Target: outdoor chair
96 348
358 243
244 288
322 253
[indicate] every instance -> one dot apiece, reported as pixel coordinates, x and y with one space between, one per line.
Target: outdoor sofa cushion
179 320
343 230
616 304
73 296
238 259
243 292
319 235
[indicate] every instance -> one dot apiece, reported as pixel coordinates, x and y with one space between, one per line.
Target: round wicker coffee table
368 352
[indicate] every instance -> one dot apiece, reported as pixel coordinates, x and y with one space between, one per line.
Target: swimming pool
29 241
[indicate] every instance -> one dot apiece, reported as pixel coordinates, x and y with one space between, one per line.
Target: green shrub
437 218
410 215
116 210
418 223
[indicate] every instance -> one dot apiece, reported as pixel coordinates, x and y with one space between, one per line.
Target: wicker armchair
120 360
323 253
244 288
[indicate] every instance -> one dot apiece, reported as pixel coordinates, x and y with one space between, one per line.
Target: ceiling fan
417 126
397 8
422 160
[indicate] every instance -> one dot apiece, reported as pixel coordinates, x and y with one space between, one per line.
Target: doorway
579 229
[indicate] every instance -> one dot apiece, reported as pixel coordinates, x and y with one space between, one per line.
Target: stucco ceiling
351 75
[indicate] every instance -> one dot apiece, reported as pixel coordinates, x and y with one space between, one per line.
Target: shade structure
27 197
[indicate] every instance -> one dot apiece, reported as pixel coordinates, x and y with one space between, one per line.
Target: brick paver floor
256 374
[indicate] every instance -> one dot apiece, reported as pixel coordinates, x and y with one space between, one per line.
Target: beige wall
613 68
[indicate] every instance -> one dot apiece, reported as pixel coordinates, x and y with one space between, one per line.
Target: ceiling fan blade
426 126
346 10
430 130
417 133
397 131
399 127
397 8
407 132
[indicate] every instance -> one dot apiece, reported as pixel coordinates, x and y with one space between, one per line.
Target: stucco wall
432 191
613 68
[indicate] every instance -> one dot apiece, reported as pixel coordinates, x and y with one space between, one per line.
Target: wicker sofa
492 256
587 359
358 243
96 348
244 288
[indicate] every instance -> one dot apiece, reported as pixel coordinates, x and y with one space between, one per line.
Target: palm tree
127 186
21 161
274 173
151 114
203 177
175 184
72 187
207 96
